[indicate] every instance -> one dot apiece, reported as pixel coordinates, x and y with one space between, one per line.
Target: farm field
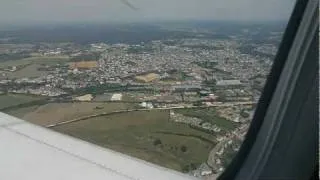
29 66
148 135
38 60
8 100
21 112
28 72
57 112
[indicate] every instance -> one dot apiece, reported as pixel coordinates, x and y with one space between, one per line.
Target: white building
87 97
147 105
116 97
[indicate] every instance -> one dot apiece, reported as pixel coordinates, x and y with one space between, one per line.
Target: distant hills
134 33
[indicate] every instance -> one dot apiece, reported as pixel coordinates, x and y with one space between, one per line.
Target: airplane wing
31 152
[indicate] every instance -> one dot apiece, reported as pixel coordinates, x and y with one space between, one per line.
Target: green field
8 100
58 112
39 60
21 112
209 115
28 72
148 135
31 65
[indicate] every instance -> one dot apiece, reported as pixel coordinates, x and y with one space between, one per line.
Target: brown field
83 65
58 112
148 77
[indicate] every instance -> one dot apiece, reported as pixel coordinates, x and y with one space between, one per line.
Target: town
210 87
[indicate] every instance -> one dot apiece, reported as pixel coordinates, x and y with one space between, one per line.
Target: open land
57 112
29 67
148 135
21 112
9 100
40 60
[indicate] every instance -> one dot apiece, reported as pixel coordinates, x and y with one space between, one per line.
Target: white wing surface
30 152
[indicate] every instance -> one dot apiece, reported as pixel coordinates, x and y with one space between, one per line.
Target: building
229 83
116 97
147 105
184 88
205 170
87 97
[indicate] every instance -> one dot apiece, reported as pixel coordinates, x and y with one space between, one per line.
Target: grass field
38 60
28 72
8 100
57 112
148 135
31 66
21 112
209 115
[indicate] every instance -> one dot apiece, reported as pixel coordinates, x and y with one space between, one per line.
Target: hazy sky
15 11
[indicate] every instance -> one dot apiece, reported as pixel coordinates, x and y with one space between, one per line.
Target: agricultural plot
148 135
28 67
58 112
8 100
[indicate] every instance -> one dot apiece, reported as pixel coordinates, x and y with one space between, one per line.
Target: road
134 110
239 132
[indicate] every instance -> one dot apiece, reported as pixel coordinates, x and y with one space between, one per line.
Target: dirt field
148 77
146 135
57 112
83 65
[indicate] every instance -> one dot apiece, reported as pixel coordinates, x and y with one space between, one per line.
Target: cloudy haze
25 11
